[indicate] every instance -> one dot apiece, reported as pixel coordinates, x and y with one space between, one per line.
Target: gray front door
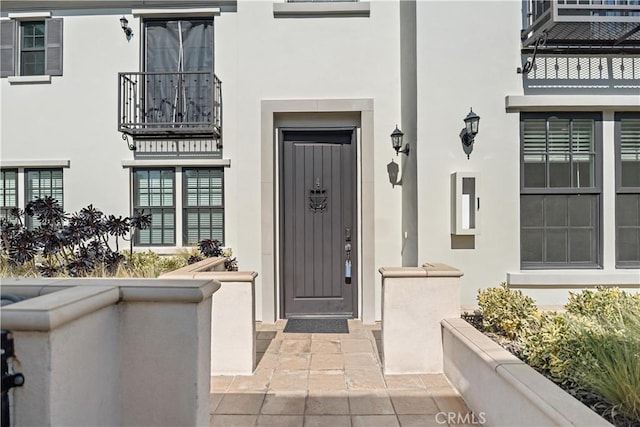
318 223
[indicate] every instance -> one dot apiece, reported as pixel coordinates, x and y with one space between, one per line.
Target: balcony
605 26
170 106
583 74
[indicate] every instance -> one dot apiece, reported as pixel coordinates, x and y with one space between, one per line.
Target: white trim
35 163
267 293
571 278
172 13
303 9
515 103
177 162
29 79
23 16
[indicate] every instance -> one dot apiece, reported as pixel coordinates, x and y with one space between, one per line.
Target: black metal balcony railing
170 105
602 24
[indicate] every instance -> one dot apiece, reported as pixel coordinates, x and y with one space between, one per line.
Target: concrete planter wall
505 390
111 351
233 320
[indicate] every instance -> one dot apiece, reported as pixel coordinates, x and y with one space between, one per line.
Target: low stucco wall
233 321
111 351
501 387
207 264
58 362
414 302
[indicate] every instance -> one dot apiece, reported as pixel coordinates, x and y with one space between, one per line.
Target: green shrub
605 304
506 311
593 347
614 374
554 346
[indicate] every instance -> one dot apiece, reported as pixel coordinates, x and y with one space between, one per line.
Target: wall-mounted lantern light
469 132
124 24
396 142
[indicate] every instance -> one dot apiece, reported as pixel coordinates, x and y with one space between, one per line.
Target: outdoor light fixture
396 142
469 132
124 24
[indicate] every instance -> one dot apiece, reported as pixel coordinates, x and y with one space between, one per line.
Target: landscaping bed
592 350
45 241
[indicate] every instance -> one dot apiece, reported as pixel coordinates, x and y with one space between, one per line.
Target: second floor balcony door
179 72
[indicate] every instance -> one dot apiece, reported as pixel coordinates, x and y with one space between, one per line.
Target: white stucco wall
466 55
469 64
260 57
75 116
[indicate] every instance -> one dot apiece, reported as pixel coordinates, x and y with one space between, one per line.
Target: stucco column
414 302
233 323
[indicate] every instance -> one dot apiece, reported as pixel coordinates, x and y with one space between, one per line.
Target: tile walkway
328 380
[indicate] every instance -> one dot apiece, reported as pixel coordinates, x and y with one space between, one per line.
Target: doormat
317 326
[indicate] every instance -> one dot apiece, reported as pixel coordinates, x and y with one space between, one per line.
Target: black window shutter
7 48
54 47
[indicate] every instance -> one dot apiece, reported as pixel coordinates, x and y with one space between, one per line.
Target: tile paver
370 402
327 421
336 380
375 421
327 402
280 421
413 402
233 420
284 403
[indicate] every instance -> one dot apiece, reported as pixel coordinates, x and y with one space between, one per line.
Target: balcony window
177 94
181 52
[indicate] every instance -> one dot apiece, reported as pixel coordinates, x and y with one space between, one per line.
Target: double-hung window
154 193
8 192
627 136
203 208
40 183
560 191
31 47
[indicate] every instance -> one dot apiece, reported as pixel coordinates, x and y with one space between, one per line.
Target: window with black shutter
31 48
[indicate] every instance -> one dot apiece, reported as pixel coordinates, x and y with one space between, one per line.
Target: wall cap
427 270
147 290
50 311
